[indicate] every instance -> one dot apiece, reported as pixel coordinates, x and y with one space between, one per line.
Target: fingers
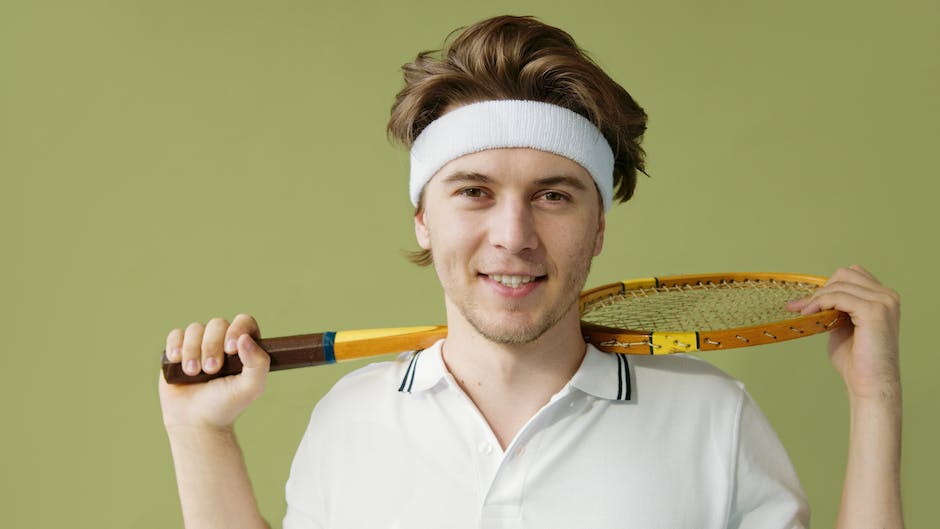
797 305
212 345
242 324
174 345
855 274
255 363
201 347
839 293
844 287
855 291
192 348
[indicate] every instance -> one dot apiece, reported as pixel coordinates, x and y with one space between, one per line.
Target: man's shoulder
681 365
368 390
377 377
684 374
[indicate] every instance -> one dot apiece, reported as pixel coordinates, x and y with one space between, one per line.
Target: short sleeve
301 490
767 492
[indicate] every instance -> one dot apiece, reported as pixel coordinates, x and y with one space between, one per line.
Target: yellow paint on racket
663 343
370 342
644 282
371 334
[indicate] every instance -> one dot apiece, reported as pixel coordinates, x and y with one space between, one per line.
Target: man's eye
472 192
553 196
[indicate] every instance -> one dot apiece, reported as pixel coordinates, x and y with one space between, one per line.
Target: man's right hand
217 403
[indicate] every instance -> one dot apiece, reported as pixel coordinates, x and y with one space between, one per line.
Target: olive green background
164 162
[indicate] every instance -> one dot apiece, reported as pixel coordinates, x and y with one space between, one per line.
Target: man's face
512 233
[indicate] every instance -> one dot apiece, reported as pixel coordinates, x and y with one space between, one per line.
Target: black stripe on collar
409 379
623 378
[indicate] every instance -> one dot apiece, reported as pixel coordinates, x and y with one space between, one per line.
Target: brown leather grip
286 352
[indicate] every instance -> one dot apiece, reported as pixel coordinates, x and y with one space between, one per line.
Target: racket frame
626 341
289 352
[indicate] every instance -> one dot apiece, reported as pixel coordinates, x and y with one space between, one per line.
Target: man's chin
506 338
506 333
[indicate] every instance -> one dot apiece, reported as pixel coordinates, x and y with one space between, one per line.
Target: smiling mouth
513 281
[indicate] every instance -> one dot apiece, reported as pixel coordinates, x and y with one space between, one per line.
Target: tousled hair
510 57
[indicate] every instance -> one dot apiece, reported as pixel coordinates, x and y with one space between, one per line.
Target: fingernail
191 367
173 354
210 364
231 345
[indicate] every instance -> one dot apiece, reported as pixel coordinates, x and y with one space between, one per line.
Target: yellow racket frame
644 341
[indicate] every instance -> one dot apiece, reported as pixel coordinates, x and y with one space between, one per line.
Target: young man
519 144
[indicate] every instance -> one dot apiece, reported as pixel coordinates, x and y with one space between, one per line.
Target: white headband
511 123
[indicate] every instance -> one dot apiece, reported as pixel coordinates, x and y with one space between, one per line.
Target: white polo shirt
639 441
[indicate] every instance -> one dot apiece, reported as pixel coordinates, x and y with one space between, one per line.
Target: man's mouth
513 281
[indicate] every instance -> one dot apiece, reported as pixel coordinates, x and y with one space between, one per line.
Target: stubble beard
513 334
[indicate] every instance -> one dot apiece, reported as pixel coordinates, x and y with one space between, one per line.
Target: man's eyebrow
466 176
564 180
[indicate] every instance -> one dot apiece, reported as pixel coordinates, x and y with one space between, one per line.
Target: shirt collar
425 370
604 375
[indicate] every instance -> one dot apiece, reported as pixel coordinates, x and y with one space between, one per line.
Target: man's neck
509 383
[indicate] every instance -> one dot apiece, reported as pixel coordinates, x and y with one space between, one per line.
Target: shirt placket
483 447
502 506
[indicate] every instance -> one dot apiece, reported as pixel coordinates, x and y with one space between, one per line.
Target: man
519 144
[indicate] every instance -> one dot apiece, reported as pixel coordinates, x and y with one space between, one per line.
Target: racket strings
702 306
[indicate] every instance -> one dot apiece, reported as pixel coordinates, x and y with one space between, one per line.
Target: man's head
519 142
520 58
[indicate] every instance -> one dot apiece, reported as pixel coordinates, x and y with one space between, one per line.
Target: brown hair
509 57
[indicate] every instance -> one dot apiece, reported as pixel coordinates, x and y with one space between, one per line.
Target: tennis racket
658 315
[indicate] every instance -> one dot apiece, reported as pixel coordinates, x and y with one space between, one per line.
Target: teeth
512 281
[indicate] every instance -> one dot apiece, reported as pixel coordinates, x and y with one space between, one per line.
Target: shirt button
485 448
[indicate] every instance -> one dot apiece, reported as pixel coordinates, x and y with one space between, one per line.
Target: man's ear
422 233
599 238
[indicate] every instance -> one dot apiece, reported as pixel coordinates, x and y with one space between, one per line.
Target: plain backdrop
164 162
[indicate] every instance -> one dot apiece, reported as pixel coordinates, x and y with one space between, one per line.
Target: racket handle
286 352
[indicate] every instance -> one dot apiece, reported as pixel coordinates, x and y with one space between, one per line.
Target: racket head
700 312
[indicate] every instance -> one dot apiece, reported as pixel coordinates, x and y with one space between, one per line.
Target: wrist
201 432
881 400
887 390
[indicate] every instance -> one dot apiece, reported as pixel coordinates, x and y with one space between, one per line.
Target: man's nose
512 227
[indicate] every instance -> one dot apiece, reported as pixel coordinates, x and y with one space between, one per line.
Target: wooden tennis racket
664 315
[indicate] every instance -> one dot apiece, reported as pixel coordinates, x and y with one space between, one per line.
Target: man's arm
866 356
871 495
212 480
211 476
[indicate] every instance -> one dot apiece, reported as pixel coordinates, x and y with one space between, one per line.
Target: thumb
255 361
